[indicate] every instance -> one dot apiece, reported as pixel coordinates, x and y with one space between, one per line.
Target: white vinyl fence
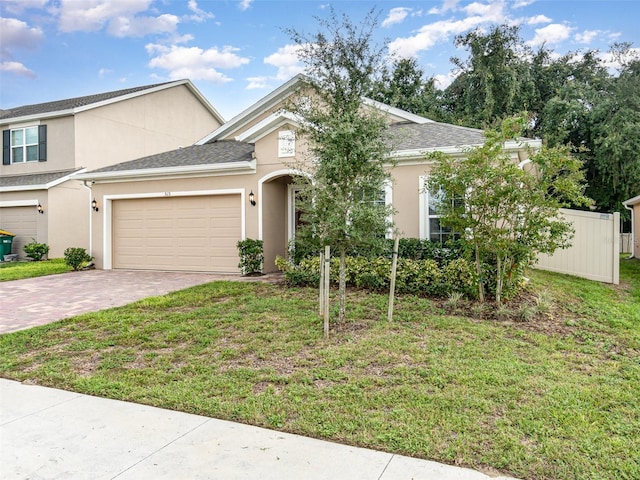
626 244
595 250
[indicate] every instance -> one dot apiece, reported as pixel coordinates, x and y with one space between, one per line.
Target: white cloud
200 15
15 33
104 71
16 68
194 62
587 36
538 19
443 81
447 5
441 31
396 15
121 18
142 26
257 83
613 64
93 15
245 4
286 59
19 6
522 3
554 33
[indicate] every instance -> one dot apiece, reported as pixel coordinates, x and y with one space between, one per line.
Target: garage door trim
19 203
107 240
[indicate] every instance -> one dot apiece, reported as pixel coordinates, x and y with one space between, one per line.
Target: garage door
23 221
177 233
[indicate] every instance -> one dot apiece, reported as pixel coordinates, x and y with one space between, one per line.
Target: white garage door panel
177 233
23 221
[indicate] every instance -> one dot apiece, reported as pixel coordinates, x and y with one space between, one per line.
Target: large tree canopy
571 100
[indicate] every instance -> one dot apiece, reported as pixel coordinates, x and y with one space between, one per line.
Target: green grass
557 397
20 270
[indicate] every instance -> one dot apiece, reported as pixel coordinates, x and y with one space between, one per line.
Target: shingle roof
224 151
34 179
70 103
410 136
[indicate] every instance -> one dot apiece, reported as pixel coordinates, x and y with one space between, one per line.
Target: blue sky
235 51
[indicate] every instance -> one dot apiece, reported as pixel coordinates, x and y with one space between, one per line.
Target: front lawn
556 397
20 270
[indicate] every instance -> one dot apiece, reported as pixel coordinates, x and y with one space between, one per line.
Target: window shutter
6 147
42 143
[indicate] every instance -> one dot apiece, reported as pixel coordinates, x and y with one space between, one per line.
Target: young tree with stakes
348 158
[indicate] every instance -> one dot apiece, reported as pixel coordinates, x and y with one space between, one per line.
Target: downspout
84 182
632 236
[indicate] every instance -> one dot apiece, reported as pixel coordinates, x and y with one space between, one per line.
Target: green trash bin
6 240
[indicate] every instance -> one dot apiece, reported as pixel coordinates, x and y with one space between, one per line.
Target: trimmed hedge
418 277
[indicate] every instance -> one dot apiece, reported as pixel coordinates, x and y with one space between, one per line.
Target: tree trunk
480 279
342 284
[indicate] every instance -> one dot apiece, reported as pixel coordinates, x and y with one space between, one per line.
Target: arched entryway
279 214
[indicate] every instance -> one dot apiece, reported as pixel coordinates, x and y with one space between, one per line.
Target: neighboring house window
286 143
430 226
28 144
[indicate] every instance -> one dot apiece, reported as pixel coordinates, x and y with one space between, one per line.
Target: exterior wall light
40 208
252 198
94 205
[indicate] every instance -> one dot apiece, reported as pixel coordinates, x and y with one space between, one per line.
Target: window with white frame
24 144
286 143
430 225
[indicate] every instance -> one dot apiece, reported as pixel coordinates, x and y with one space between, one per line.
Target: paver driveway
41 300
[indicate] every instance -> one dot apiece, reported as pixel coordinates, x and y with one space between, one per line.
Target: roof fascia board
181 171
266 126
244 117
396 112
632 201
42 186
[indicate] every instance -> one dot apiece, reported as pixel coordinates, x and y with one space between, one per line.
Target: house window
383 198
27 144
431 226
286 143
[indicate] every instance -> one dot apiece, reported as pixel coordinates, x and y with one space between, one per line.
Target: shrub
76 257
419 277
251 256
35 250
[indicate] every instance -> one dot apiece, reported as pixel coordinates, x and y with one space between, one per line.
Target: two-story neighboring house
186 209
44 146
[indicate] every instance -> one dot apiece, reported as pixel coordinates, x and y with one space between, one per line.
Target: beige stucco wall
68 211
29 198
60 150
141 126
65 221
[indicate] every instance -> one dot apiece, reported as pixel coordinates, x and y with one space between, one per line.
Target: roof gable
279 95
71 106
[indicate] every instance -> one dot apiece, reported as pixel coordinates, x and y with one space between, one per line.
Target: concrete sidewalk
49 433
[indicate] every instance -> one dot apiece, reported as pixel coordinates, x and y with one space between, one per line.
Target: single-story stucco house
187 208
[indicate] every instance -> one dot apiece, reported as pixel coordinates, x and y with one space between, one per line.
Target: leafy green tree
348 144
494 81
509 214
405 86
